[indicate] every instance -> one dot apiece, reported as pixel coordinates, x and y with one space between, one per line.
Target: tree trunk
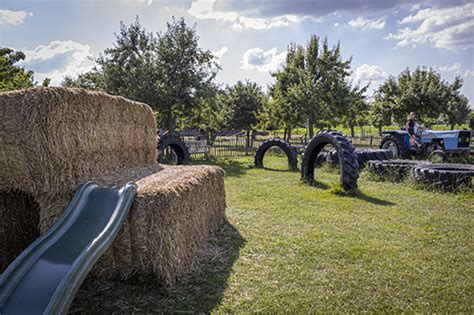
352 130
284 133
380 129
452 126
289 135
311 125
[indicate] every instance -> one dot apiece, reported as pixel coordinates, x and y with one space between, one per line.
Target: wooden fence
236 146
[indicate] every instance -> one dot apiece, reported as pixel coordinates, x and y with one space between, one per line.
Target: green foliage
471 120
92 80
422 91
245 100
167 71
312 87
13 77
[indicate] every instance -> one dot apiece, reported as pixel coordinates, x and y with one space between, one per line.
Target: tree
168 71
312 85
471 120
286 105
245 101
356 107
92 80
424 92
212 114
13 77
457 108
326 75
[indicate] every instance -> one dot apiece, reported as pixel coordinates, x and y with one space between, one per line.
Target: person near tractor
412 128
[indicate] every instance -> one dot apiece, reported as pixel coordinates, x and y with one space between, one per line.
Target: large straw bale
52 139
175 211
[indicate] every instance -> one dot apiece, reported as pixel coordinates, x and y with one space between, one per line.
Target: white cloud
367 24
261 60
203 9
13 17
449 28
469 73
220 53
58 59
454 68
369 73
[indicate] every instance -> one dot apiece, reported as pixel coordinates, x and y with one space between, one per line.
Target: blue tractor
432 145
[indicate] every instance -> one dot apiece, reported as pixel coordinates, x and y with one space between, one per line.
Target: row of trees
171 73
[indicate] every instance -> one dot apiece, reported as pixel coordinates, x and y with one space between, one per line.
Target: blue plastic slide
45 277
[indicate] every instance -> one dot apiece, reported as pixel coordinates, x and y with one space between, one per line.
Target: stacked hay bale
53 139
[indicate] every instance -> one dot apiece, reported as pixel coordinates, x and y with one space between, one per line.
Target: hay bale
175 211
52 139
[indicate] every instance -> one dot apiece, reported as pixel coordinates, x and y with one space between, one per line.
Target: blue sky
250 37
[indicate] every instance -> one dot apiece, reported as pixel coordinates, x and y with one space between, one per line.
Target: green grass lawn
290 247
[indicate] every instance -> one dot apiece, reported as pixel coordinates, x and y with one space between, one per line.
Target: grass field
290 247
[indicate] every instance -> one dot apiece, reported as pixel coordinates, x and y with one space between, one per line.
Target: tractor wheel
396 146
322 157
449 176
345 152
174 142
285 146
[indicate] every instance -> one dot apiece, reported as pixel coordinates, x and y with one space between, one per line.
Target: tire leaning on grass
444 175
347 157
393 169
174 142
285 146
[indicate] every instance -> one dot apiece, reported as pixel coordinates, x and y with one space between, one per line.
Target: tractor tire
362 156
446 175
322 157
403 151
393 169
285 146
346 154
174 142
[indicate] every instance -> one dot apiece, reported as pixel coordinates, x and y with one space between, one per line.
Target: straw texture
53 139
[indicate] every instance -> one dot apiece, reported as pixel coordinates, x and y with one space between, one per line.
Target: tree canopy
168 71
13 77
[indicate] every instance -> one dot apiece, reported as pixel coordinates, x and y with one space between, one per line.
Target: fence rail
237 146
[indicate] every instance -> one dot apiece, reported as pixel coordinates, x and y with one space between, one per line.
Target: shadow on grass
200 291
280 170
232 167
321 185
357 194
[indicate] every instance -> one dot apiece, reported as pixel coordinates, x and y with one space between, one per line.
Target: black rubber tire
348 164
362 156
445 175
404 152
285 146
174 142
401 169
322 157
